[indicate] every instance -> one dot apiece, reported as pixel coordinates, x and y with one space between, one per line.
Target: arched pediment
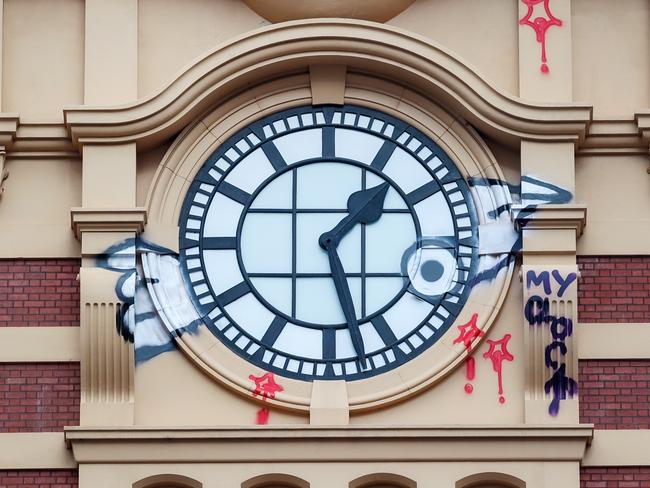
364 47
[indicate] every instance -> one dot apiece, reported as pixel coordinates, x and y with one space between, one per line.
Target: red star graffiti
498 353
540 25
469 332
266 387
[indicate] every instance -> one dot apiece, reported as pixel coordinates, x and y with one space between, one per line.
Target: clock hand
364 207
345 298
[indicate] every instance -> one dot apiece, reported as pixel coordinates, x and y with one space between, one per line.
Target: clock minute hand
345 297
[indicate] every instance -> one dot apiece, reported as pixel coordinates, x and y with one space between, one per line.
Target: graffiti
497 353
4 174
540 25
544 279
266 387
537 311
560 385
500 241
469 332
140 318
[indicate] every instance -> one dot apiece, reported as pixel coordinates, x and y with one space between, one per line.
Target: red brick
39 397
39 293
614 393
614 477
614 289
31 478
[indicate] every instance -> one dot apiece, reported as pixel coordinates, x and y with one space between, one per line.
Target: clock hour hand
345 298
364 207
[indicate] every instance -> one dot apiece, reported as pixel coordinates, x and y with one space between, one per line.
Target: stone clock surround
186 156
363 57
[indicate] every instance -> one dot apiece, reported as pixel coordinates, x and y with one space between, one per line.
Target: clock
328 242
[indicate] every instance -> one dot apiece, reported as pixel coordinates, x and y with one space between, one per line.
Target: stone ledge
107 220
551 216
328 444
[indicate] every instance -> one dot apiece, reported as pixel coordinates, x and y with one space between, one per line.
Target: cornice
107 220
42 140
551 216
8 128
275 50
613 137
642 120
329 444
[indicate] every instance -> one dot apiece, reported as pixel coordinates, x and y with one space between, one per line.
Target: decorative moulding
42 140
329 444
551 216
614 136
107 220
8 127
283 10
372 48
642 120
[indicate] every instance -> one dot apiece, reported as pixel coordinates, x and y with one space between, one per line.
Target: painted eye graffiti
432 267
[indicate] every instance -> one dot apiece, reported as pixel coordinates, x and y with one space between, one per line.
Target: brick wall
611 477
614 289
39 397
615 394
43 292
31 478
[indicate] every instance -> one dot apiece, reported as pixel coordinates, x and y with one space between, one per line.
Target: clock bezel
334 369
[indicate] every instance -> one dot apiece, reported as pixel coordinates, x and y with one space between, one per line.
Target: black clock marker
274 156
233 293
234 193
383 329
423 192
219 243
383 155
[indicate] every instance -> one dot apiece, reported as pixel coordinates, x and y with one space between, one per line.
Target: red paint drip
467 334
266 387
262 416
498 353
471 368
540 25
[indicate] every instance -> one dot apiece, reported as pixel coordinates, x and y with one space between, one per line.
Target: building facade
376 243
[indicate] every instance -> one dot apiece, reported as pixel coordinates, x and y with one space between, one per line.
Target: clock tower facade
259 244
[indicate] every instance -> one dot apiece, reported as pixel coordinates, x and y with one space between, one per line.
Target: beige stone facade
109 109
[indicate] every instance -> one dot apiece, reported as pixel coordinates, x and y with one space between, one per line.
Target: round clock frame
307 161
462 147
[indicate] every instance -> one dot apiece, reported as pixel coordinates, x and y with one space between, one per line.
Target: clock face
328 243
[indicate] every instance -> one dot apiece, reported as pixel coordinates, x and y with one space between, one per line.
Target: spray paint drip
467 334
266 387
498 353
540 25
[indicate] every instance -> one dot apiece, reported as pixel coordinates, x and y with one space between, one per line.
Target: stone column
550 221
108 221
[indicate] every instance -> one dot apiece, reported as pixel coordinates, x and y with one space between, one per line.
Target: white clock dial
328 242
